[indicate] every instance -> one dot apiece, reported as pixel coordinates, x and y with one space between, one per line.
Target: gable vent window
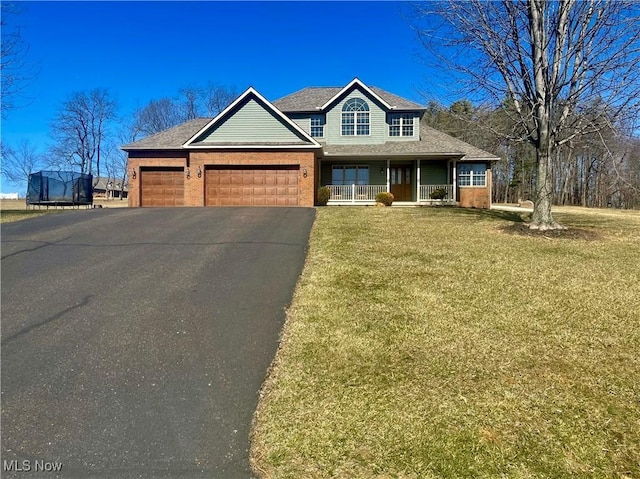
317 126
355 117
401 125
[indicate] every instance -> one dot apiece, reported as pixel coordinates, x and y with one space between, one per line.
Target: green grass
431 343
8 216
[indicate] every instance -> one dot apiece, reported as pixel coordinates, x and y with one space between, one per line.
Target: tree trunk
542 218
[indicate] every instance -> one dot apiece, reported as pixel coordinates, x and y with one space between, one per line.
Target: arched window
355 117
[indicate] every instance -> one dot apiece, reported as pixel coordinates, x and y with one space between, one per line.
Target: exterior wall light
133 174
188 172
304 172
199 172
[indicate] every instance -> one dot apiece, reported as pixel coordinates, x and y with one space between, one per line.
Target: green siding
377 122
433 173
252 123
302 120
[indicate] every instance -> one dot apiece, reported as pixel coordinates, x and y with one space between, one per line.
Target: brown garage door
252 186
162 187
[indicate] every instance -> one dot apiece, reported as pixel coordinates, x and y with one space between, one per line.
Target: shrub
438 194
324 193
384 198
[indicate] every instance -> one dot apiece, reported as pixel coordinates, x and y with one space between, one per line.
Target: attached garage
162 186
269 185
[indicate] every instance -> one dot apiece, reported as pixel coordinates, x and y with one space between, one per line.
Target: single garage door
162 187
252 186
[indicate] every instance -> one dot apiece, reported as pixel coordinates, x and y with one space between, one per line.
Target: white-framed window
401 124
472 174
317 126
355 118
350 175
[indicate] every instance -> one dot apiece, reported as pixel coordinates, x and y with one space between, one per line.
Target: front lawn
438 342
9 216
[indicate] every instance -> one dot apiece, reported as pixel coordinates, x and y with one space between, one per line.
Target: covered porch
415 182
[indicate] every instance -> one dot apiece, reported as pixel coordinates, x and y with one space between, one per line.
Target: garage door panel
162 187
252 186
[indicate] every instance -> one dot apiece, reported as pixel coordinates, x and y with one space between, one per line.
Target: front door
400 182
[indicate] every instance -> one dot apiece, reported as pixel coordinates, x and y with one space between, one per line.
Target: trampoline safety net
60 188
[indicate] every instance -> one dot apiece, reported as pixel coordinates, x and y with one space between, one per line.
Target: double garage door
226 185
251 186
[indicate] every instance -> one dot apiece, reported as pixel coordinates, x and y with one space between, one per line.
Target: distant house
357 140
8 196
109 188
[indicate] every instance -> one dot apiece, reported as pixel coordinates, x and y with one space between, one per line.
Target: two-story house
356 140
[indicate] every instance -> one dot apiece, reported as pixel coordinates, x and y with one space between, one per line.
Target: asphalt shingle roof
432 143
170 139
311 98
103 183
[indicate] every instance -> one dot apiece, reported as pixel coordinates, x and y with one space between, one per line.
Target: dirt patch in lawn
522 229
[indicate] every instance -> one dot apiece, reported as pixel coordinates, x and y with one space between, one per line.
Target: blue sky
147 50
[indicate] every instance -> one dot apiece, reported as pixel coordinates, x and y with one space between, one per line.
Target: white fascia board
353 82
472 159
253 147
250 91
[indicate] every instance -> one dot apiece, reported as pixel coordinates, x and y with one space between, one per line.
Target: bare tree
216 98
157 116
17 74
191 102
551 60
19 162
81 127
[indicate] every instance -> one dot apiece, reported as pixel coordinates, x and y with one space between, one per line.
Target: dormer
354 114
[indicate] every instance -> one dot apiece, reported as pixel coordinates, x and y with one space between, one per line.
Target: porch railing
426 190
358 193
355 193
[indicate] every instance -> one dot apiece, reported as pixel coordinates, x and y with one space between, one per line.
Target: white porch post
455 169
418 181
388 177
353 192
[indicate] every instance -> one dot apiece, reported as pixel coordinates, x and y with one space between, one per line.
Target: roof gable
312 99
251 121
355 83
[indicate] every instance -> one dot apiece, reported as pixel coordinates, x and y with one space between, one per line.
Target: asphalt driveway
135 341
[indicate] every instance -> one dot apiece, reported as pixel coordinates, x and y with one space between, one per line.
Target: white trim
355 81
223 113
213 146
455 180
418 179
388 175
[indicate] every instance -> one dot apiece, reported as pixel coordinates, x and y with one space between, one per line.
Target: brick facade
194 187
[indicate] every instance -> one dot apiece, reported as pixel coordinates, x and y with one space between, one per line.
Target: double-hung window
317 126
355 118
401 124
472 174
350 175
